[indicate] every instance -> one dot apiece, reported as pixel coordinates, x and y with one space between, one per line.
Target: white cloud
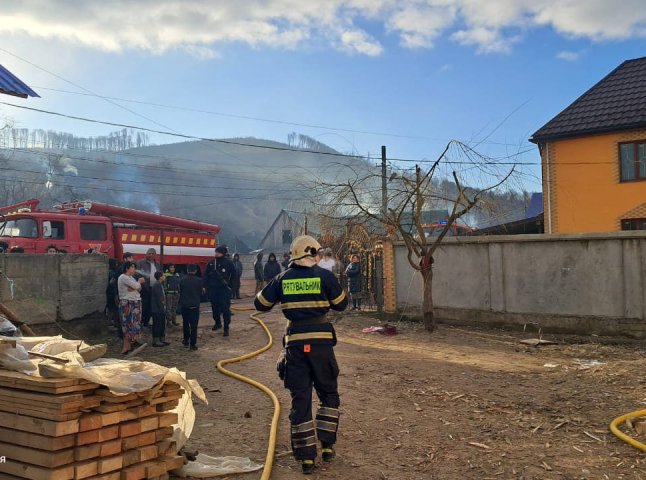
486 40
568 56
200 26
359 42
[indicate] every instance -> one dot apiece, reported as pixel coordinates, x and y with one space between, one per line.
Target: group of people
140 291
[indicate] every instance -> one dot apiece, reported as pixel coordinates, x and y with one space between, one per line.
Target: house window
287 237
93 231
632 159
633 224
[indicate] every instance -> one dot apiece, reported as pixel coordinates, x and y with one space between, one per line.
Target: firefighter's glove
280 365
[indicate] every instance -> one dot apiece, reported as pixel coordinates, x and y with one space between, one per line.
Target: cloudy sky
356 74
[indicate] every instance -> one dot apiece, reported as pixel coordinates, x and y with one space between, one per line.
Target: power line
156 167
154 157
251 145
144 182
185 136
180 194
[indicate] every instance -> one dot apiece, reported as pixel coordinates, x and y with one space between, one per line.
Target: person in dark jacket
285 262
353 273
190 294
307 292
158 310
217 282
272 268
236 280
171 288
258 272
147 268
112 296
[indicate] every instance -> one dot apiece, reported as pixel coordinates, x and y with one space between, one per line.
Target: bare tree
409 198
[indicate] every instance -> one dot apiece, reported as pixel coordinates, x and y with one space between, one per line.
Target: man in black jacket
190 290
217 282
306 293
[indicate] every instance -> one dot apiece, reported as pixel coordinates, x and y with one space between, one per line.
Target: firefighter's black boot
307 466
327 452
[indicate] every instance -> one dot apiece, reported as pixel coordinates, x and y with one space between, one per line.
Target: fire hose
271 448
614 428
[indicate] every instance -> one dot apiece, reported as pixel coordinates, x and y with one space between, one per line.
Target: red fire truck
82 226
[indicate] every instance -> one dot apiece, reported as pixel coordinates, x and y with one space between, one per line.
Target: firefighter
306 293
217 282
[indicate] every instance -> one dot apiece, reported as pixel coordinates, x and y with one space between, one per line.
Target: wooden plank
140 440
134 472
34 472
39 425
9 376
172 462
107 396
110 407
167 419
130 457
93 421
97 436
111 447
163 433
149 452
40 397
91 401
86 452
28 439
21 381
72 407
85 469
109 476
154 469
166 398
128 429
42 458
108 433
110 464
149 423
138 412
166 447
164 407
38 412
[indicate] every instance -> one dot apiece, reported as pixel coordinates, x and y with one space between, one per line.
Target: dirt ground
456 404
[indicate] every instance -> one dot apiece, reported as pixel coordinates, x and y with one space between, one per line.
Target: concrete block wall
47 288
570 283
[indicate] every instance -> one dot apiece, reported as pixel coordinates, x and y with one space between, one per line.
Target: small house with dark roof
593 157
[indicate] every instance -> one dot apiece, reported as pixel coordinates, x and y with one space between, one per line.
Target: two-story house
593 157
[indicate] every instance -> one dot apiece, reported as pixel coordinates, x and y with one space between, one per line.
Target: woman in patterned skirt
130 307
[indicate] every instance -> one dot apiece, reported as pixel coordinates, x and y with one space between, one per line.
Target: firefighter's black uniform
306 294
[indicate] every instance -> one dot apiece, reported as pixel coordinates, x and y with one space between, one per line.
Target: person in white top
328 262
130 307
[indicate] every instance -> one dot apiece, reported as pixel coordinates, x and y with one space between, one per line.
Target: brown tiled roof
617 102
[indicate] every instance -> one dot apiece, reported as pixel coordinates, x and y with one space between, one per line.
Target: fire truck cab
82 227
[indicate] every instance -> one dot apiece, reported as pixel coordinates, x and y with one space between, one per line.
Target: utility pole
378 258
384 191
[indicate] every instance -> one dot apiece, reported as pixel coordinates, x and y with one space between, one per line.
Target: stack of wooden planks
69 429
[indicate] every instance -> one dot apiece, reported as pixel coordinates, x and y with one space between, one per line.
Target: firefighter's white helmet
304 251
